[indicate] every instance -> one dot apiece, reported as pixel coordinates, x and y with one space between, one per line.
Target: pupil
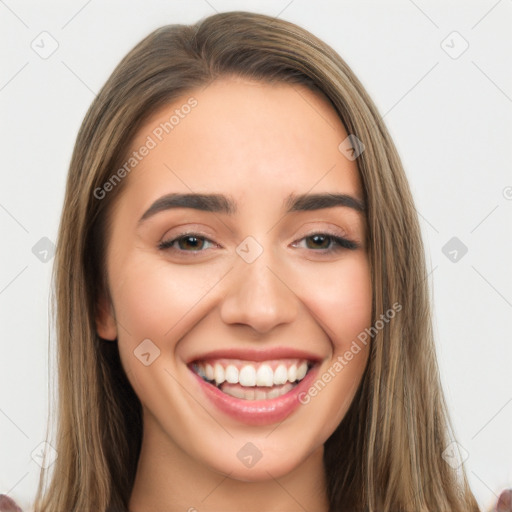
195 244
317 239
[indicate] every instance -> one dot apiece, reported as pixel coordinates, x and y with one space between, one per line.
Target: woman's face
248 282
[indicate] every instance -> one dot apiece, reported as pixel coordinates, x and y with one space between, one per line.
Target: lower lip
258 412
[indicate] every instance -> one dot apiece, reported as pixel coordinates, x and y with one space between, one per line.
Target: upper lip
255 354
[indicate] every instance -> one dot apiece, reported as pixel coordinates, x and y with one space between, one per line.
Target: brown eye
318 241
186 243
326 243
194 243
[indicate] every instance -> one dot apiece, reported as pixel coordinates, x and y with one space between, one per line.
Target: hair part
386 454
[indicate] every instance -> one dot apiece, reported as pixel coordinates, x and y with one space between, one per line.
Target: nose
259 296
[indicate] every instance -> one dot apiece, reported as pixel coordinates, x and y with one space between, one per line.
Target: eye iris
196 244
321 241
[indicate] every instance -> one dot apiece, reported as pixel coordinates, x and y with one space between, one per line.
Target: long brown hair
387 453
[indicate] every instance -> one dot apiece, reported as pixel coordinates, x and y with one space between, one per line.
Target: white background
450 119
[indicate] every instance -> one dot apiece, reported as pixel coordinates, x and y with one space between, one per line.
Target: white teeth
274 393
218 373
237 393
209 372
280 375
232 374
254 374
259 394
301 371
292 373
255 393
247 376
265 376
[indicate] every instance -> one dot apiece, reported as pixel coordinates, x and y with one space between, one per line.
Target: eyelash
340 243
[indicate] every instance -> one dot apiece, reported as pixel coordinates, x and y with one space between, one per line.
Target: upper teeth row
248 375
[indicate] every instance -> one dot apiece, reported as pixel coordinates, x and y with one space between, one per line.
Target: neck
170 480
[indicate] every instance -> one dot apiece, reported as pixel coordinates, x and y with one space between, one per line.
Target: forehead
243 137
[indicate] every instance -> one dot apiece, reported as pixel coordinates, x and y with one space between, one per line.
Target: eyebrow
219 203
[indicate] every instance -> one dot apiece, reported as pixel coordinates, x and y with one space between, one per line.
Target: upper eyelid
310 227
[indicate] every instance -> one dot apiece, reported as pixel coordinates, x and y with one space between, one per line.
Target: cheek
157 300
341 300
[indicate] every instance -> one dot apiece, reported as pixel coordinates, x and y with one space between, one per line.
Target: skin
257 143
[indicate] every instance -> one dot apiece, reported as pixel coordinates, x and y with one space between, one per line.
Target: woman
242 309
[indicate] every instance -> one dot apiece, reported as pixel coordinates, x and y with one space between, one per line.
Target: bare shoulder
8 505
505 501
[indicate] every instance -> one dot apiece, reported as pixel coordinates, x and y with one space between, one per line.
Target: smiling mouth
249 380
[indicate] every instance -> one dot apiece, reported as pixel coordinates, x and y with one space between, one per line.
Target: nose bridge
257 295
